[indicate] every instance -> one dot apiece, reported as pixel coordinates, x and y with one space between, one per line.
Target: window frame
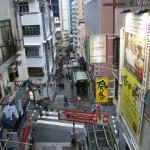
31 30
32 50
23 7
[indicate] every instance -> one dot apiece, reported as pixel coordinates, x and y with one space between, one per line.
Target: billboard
97 48
134 72
101 90
83 117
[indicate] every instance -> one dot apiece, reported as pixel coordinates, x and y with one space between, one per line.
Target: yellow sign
101 90
130 101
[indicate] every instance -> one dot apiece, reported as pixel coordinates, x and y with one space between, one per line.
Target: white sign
97 49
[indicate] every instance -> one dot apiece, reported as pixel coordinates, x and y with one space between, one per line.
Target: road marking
49 117
51 113
59 123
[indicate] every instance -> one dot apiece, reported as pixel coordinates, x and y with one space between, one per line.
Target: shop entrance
82 89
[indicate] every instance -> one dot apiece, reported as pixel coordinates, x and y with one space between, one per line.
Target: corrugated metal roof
81 75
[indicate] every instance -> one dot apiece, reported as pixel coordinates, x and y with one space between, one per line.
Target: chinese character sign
101 90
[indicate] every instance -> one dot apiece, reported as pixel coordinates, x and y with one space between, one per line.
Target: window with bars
32 51
23 7
5 31
31 30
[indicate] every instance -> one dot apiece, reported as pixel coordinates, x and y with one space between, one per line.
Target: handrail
96 138
106 138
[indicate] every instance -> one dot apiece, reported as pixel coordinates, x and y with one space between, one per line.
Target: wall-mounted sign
97 48
101 90
136 55
97 69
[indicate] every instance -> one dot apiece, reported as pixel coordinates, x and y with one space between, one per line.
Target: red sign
25 133
78 116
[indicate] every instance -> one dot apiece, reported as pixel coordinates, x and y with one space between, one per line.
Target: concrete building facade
36 21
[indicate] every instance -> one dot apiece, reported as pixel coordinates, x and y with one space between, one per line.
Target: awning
80 75
11 60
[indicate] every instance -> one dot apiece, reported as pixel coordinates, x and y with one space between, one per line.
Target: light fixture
141 11
125 11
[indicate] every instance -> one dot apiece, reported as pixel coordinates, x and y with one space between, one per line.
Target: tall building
96 24
13 66
14 97
37 33
55 7
78 29
64 10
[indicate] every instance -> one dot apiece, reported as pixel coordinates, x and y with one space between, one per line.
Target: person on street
78 100
66 101
40 112
46 110
63 86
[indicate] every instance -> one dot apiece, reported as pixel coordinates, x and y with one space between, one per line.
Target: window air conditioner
13 68
11 86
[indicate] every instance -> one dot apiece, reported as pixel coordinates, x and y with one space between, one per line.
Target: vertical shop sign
97 48
101 90
135 72
97 70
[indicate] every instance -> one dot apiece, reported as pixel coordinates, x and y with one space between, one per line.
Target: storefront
81 85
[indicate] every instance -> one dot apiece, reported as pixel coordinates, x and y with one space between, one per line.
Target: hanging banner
97 48
83 117
101 90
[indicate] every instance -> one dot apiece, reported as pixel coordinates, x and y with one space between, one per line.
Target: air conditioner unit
11 86
13 68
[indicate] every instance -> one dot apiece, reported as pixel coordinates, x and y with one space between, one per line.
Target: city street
51 133
54 134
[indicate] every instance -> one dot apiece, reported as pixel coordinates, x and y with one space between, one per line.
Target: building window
5 31
32 51
35 71
31 30
24 7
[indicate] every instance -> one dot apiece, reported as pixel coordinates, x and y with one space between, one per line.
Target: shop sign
25 133
97 70
83 117
97 48
101 90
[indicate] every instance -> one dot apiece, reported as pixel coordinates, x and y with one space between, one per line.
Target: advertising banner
83 117
101 90
134 72
97 48
131 100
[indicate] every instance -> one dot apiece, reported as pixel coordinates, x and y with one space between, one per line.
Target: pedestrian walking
40 112
60 86
78 100
66 101
46 110
63 86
